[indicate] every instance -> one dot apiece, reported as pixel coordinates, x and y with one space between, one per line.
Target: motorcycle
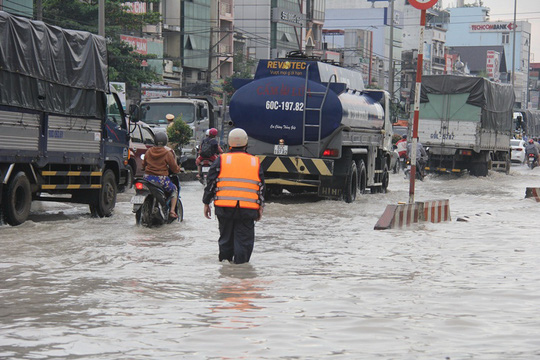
419 170
533 161
151 204
205 166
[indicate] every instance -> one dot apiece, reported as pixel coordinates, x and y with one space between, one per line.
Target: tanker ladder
318 125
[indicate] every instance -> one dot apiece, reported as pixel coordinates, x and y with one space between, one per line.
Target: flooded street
322 284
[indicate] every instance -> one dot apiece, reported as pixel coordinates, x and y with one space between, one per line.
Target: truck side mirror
134 112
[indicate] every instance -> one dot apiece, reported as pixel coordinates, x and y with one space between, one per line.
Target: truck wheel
131 178
362 177
385 179
351 184
479 169
18 199
103 205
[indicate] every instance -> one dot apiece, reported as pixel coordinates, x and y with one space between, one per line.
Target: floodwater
322 284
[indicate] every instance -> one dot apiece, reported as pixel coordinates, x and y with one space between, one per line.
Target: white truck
199 112
466 124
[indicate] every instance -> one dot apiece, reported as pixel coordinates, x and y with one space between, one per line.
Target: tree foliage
124 63
243 69
179 133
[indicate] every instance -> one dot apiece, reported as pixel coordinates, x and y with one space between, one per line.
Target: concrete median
403 215
534 193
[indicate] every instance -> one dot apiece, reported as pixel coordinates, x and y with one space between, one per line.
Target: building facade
273 28
365 43
18 7
470 27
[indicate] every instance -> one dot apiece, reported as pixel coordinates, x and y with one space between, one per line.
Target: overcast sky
504 10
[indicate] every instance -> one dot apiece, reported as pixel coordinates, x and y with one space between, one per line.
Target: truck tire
103 204
362 177
351 184
18 199
385 179
479 169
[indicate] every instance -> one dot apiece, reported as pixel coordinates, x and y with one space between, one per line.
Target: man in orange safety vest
235 182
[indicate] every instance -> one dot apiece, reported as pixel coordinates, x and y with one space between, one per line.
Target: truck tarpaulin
496 100
69 76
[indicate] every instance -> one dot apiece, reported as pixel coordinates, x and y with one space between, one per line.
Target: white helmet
238 138
207 132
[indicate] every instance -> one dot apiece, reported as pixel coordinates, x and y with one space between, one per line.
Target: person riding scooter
158 162
421 156
401 147
208 150
531 148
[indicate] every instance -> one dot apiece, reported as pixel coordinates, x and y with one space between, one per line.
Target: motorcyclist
401 147
158 162
421 156
531 148
208 150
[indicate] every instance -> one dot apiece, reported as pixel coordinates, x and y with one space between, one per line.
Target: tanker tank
273 105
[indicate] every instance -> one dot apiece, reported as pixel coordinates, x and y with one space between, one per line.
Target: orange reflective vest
238 183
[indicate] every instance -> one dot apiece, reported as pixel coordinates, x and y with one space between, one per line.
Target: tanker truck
466 122
315 128
63 133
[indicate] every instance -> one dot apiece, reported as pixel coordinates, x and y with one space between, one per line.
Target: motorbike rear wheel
143 216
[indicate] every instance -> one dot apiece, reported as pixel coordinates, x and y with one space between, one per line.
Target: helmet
531 141
404 136
212 132
238 138
207 132
161 138
169 117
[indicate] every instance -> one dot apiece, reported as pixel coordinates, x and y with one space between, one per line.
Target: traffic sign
422 4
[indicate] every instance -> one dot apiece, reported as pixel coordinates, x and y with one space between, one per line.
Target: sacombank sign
493 27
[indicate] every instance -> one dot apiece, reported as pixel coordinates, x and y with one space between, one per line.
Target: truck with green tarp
466 124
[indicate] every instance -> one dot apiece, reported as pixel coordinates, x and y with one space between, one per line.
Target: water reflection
237 297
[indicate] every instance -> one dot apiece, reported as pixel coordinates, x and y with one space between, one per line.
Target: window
506 38
136 135
113 111
148 137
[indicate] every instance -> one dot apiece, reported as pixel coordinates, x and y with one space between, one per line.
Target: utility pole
209 70
101 18
39 9
514 47
391 54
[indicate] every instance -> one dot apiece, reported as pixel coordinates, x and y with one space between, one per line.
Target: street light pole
514 47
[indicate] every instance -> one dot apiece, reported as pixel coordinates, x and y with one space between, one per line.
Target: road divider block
532 192
403 215
436 211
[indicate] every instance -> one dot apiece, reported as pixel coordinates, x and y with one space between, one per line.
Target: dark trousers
236 239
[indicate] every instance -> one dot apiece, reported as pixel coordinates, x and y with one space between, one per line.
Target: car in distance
518 151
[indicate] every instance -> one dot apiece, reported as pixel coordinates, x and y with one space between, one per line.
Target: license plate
138 199
205 169
281 149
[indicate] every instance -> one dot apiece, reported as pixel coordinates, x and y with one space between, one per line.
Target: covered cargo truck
466 122
315 128
61 130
